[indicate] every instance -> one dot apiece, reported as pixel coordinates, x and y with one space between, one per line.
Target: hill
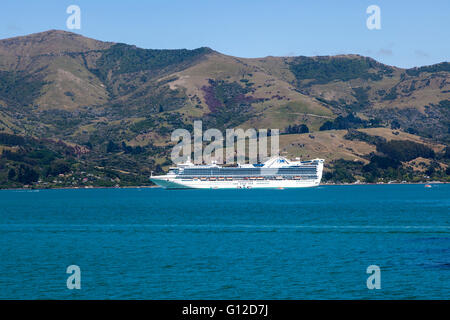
115 105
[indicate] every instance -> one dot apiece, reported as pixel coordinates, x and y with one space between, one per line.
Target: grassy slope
332 145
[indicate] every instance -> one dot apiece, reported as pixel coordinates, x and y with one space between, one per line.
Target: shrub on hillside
296 128
402 150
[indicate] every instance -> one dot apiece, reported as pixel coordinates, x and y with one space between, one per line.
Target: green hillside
76 111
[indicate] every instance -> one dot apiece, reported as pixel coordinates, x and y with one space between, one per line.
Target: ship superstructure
277 172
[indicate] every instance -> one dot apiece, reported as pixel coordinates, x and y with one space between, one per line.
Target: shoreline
380 184
149 187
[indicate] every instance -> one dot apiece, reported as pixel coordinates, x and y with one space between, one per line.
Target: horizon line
239 57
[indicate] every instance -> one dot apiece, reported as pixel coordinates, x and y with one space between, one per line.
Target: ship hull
173 183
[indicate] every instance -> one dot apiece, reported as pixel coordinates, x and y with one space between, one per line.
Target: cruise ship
277 172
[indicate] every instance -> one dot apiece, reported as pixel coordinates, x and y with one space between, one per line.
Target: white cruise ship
277 172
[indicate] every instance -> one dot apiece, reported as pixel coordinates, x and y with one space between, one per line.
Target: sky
413 33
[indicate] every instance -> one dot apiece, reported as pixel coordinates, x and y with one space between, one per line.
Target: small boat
428 186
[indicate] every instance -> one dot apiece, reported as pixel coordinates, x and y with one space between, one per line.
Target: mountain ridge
59 32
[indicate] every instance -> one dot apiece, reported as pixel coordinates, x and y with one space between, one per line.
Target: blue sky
413 33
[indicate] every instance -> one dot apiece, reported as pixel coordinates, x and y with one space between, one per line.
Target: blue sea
150 243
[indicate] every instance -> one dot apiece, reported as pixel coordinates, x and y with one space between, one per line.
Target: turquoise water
226 244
